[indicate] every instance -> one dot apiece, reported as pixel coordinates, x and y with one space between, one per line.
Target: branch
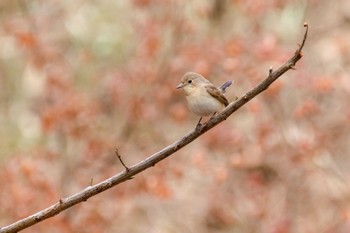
129 172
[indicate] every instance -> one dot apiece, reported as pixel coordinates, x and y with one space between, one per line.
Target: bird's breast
203 104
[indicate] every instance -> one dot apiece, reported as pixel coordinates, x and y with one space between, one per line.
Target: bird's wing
216 93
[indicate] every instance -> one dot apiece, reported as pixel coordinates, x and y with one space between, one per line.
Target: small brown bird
202 96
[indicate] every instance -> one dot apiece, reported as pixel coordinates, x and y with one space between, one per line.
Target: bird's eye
189 81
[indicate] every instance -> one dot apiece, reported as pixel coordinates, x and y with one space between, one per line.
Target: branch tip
306 25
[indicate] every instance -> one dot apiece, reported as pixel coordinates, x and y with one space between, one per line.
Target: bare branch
129 172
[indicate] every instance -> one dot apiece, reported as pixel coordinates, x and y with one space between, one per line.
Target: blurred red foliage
78 79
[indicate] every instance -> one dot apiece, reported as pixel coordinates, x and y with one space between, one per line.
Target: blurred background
80 78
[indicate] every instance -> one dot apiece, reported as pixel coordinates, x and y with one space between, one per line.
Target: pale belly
204 106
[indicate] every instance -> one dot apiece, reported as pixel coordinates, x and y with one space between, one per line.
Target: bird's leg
212 115
199 123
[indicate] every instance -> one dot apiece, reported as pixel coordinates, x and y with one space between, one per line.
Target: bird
203 98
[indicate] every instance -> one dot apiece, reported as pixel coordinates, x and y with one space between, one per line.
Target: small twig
305 36
120 159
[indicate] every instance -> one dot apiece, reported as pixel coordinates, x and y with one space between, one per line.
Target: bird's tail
225 85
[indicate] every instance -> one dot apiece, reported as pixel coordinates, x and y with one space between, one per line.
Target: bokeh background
80 78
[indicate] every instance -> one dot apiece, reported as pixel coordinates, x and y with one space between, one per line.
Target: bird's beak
181 85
